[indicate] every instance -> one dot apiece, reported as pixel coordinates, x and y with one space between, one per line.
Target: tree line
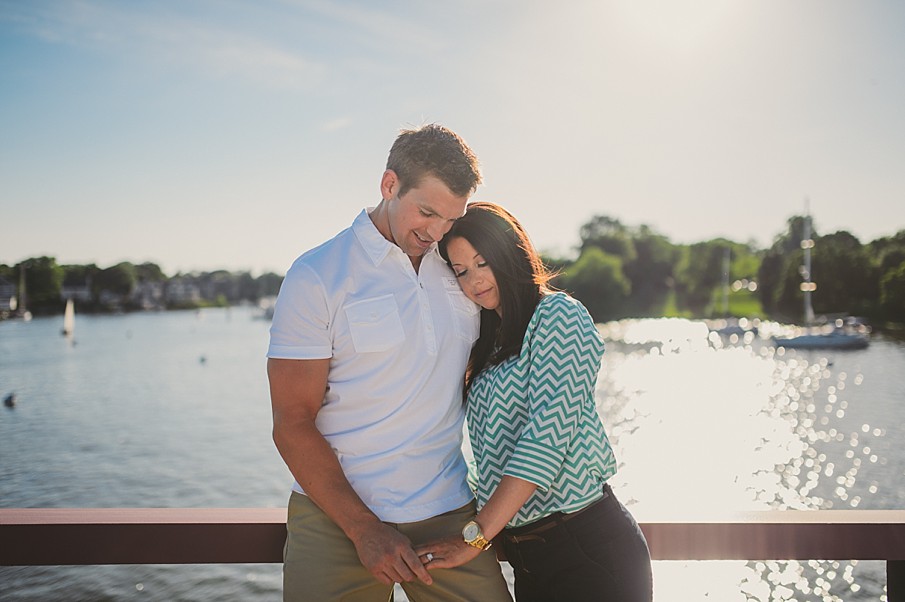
128 287
621 271
624 271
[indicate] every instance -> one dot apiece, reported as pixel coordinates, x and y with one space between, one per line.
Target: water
172 410
139 410
705 424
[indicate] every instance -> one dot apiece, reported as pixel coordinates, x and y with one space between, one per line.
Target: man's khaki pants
320 563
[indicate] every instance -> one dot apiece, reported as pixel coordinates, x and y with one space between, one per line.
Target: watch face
470 531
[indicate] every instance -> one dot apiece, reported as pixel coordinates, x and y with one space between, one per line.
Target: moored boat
836 339
847 334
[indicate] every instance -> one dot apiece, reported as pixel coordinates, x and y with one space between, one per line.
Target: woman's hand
446 553
452 551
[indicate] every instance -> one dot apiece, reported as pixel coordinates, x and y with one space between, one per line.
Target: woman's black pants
598 554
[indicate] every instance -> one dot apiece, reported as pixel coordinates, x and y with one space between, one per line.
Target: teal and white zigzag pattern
534 416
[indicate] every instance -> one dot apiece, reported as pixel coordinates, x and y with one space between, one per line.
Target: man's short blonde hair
436 151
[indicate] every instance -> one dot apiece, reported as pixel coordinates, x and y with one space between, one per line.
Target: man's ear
389 185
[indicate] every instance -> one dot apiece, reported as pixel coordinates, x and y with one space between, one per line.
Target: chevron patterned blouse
534 416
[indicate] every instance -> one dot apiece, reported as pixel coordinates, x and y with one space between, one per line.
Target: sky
203 135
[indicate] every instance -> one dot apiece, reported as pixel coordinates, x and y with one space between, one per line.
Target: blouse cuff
535 462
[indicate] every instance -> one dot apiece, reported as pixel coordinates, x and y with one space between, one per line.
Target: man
368 346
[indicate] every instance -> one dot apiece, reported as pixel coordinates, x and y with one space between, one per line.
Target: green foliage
769 276
648 261
889 254
79 275
149 272
843 270
247 286
745 304
892 293
668 279
698 275
608 235
705 271
650 272
269 284
119 279
745 263
43 282
596 279
671 308
889 251
779 276
846 279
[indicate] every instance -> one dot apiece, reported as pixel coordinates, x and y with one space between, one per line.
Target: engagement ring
429 556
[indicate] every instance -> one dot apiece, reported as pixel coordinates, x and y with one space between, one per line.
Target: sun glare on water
703 426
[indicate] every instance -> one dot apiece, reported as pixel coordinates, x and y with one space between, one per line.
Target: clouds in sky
238 134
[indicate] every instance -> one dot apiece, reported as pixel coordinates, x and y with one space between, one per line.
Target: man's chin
416 250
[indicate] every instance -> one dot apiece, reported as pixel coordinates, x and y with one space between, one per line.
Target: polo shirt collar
375 245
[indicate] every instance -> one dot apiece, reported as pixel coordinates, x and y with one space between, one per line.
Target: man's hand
388 555
447 553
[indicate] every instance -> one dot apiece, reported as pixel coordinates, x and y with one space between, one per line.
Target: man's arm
297 389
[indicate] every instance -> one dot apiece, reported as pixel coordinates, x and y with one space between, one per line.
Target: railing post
895 580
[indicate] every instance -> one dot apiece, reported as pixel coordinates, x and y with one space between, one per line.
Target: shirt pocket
374 324
467 313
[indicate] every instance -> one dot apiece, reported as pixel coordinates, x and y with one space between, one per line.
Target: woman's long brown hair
522 281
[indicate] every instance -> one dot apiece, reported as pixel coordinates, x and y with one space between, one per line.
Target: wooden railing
86 536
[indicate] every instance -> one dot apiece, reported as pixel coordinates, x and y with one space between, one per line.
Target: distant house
220 284
182 290
77 292
148 295
111 300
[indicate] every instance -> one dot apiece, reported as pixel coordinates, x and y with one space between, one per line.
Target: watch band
480 543
474 536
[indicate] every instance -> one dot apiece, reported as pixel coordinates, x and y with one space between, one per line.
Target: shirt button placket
430 337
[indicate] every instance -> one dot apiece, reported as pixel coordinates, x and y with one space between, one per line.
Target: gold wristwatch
474 536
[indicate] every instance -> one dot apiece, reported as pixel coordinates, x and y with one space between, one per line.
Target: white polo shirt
398 342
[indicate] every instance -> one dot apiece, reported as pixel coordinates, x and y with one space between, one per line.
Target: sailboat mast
807 287
727 262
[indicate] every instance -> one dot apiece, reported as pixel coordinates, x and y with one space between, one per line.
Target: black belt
530 531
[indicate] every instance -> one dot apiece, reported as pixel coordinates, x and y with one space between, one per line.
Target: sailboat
838 337
69 318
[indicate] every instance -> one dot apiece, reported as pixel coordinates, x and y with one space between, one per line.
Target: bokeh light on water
704 424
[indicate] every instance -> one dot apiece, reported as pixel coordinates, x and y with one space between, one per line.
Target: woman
543 457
